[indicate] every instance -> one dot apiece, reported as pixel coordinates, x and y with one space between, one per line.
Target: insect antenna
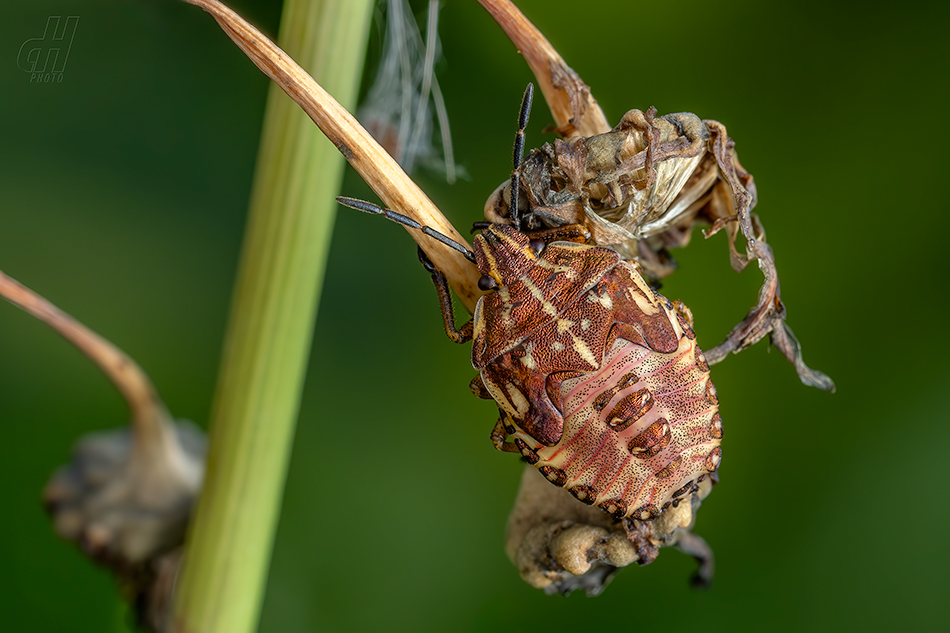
516 155
405 220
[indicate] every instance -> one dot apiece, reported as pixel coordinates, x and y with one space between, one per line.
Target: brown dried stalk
374 164
127 494
145 406
576 112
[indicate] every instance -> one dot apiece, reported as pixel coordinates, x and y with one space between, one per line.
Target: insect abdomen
639 432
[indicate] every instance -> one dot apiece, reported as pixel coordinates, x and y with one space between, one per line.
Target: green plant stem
270 328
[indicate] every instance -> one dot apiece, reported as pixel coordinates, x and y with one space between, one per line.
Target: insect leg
568 233
459 335
681 309
499 435
478 388
639 534
695 546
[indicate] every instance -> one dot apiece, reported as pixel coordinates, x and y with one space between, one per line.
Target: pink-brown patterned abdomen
639 432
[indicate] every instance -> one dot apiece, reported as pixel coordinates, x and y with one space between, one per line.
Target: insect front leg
458 335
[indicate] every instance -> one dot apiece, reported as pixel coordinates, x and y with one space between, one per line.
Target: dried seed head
125 503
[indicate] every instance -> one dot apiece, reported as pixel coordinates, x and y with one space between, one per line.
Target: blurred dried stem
127 495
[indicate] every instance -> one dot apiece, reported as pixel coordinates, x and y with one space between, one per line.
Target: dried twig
146 408
575 110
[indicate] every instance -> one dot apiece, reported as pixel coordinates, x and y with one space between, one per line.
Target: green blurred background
123 192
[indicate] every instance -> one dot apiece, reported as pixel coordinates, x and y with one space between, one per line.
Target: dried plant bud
125 501
559 544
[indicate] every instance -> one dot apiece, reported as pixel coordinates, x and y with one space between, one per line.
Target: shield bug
598 379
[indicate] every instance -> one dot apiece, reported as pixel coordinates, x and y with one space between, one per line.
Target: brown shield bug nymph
598 379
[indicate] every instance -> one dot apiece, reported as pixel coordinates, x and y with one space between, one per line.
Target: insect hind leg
696 546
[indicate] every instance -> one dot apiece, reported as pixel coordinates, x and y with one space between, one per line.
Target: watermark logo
45 57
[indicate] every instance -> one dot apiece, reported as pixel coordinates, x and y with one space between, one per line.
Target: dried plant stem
150 419
575 111
373 163
272 316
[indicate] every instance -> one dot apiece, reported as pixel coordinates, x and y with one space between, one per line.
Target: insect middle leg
499 435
